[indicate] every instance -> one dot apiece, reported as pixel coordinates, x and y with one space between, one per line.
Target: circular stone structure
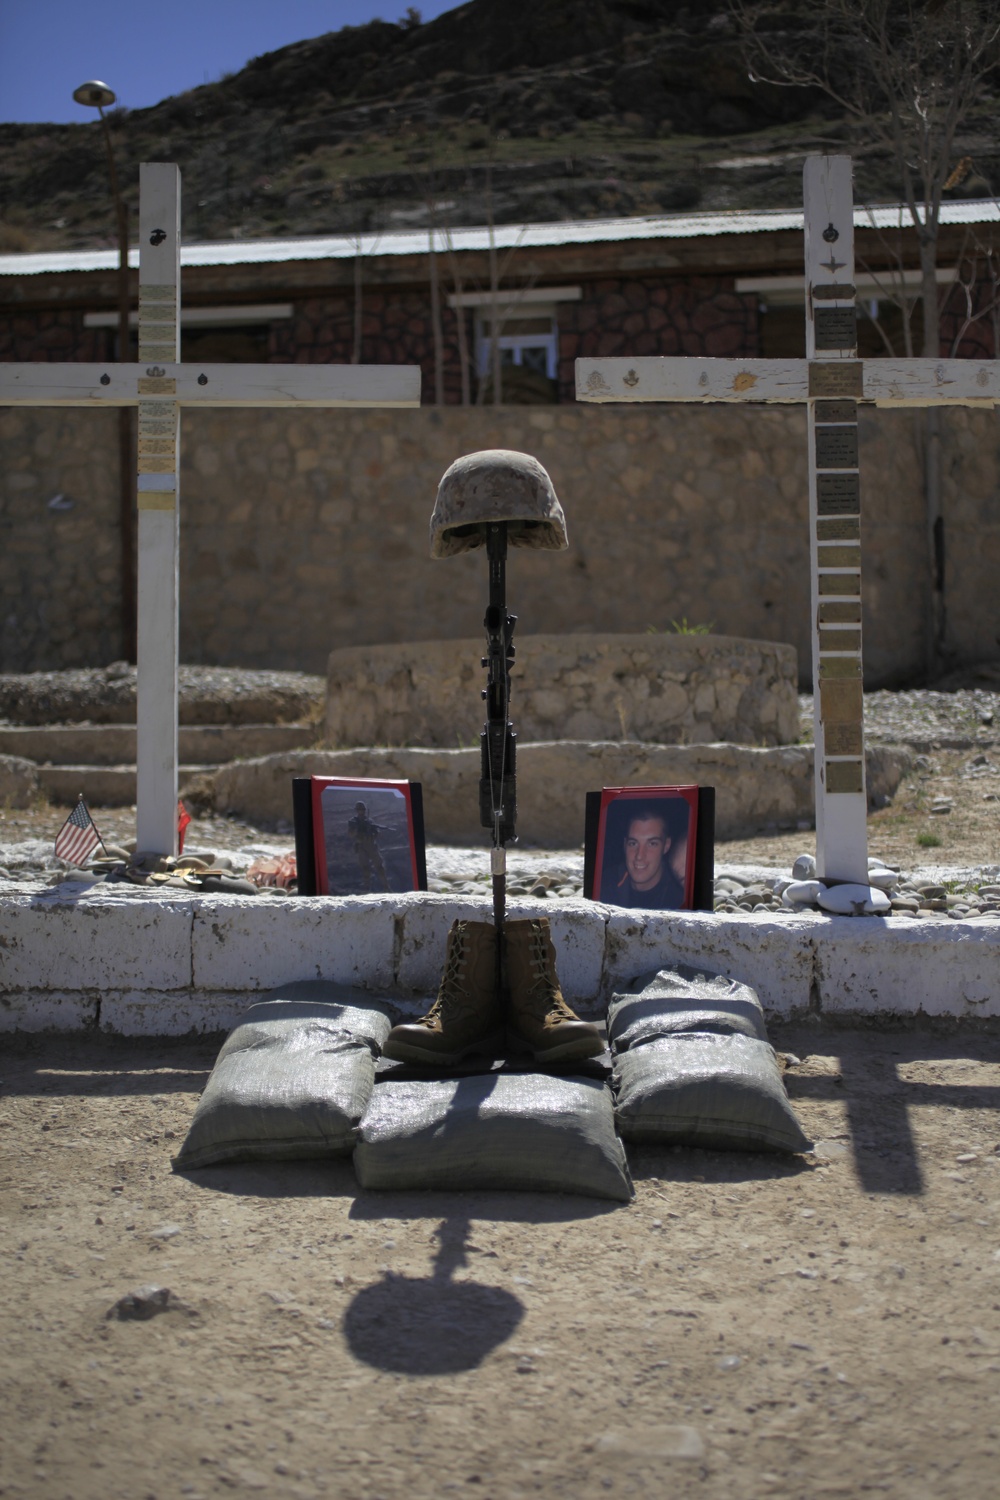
669 689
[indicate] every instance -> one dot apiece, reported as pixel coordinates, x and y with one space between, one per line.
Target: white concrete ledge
157 964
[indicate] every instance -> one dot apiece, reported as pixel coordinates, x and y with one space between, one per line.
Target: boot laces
452 995
545 993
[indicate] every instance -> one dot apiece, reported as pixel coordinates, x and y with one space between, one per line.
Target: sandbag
705 1089
512 1131
292 1080
682 999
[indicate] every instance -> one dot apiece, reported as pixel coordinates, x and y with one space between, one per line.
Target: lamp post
97 95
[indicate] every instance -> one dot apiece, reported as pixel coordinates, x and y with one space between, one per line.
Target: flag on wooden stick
183 819
78 836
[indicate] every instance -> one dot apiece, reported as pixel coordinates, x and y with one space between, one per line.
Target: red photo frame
380 849
642 847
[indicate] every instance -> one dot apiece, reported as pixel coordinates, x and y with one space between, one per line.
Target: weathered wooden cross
831 380
160 386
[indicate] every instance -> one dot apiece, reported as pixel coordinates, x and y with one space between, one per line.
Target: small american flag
78 835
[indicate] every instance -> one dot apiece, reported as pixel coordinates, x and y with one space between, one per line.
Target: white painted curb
147 964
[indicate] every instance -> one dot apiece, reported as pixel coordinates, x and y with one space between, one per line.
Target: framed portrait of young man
648 847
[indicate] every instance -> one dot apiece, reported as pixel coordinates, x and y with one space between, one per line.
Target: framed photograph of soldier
651 848
358 835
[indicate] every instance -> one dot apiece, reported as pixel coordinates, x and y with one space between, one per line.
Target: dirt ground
967 834
750 1326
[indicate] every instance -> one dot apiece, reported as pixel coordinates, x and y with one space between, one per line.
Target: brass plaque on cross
836 411
840 640
843 739
831 530
836 327
840 612
841 702
831 667
840 584
838 557
844 776
837 447
838 494
836 377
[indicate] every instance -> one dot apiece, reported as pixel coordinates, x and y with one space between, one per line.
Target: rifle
497 784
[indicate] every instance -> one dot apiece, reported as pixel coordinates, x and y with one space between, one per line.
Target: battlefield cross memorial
161 386
830 381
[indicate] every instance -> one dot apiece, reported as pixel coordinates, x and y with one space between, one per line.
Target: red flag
183 819
78 835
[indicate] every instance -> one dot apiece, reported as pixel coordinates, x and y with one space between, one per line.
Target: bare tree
908 74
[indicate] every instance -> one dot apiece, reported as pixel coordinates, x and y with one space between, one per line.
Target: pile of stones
889 892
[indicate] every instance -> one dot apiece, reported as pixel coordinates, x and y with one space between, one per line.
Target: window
531 342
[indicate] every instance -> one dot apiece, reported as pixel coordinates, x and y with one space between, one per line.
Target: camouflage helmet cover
496 484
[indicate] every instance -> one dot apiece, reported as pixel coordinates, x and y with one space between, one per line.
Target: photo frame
651 847
358 835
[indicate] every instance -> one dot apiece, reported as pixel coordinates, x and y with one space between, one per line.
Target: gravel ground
925 719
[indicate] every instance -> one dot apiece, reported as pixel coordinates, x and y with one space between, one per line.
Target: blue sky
146 52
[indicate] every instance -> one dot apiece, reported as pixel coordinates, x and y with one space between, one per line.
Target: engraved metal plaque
832 667
157 386
834 291
847 612
843 739
838 531
838 494
836 327
838 557
157 500
836 377
837 447
836 411
840 640
841 702
844 776
842 585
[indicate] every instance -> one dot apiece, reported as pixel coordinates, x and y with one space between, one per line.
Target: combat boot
539 1018
466 1016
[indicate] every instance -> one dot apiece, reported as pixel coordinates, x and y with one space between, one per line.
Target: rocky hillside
526 109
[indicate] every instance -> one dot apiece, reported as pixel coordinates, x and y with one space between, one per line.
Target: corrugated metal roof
506 236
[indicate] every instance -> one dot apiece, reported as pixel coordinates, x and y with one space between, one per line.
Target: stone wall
664 689
647 315
757 790
306 531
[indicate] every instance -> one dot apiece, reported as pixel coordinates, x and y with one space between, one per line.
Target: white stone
49 943
802 892
854 900
774 956
243 943
882 877
140 964
924 968
804 867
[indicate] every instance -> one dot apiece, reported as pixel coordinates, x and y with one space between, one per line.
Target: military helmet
496 485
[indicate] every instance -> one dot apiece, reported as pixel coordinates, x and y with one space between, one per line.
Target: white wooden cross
831 380
160 386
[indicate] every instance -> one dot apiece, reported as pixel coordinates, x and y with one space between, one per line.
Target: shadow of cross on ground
880 1086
